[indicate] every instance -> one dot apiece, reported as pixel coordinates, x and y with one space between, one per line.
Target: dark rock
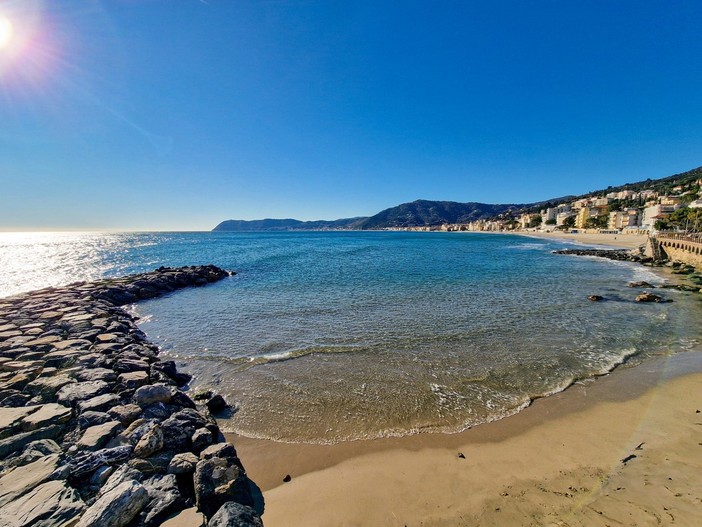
650 297
153 393
180 427
125 414
640 284
595 298
203 395
101 476
216 404
218 481
181 399
158 411
232 514
287 478
86 463
168 369
91 418
164 499
201 439
15 401
156 464
223 450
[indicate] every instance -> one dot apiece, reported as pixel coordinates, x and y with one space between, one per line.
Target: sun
5 32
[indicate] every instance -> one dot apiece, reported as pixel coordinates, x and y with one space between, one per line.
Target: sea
322 337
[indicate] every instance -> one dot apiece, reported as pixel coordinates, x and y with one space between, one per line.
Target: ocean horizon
323 337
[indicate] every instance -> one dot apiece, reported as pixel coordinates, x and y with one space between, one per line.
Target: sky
178 114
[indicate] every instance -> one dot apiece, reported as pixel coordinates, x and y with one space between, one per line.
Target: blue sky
179 114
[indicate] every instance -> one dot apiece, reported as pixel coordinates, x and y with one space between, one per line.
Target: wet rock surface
94 428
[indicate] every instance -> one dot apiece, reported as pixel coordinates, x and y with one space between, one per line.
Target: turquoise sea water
322 337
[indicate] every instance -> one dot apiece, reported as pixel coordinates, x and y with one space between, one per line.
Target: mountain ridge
421 212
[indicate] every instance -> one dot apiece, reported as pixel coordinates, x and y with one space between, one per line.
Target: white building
623 219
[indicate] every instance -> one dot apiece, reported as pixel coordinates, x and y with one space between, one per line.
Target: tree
535 222
551 222
597 222
569 222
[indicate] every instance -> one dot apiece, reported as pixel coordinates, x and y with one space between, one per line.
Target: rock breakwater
621 255
95 428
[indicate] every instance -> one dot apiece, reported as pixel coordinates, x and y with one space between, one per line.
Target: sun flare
5 32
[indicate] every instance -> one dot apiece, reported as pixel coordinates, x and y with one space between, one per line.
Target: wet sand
562 461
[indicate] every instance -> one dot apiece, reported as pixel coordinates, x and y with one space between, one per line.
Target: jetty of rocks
95 429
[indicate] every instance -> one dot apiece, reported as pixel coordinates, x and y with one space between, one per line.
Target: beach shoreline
579 436
614 241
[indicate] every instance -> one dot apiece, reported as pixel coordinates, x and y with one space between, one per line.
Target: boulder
31 453
91 418
201 439
233 514
133 380
81 391
153 393
95 437
156 464
218 481
180 427
650 297
183 463
216 404
96 374
11 419
117 507
101 403
119 476
50 504
88 462
164 499
21 480
150 443
125 414
595 298
47 415
19 441
640 284
101 476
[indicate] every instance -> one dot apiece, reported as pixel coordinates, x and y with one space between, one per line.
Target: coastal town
646 211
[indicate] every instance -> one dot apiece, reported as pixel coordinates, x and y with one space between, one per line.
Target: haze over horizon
154 115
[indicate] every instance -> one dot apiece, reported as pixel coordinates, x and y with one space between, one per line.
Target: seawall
95 429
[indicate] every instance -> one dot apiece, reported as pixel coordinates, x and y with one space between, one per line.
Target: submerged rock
650 297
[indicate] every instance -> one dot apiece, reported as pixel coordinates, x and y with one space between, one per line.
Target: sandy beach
624 449
622 241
